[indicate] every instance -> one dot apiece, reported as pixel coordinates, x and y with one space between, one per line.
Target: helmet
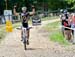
24 8
65 11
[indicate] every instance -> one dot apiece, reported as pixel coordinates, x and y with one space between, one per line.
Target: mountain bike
24 36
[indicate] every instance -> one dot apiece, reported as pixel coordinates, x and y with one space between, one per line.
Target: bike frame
24 31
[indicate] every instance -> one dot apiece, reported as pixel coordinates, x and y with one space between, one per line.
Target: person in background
73 22
67 25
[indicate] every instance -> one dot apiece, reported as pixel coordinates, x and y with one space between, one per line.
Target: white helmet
24 8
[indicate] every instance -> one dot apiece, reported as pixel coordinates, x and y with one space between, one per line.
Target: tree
56 4
71 3
39 4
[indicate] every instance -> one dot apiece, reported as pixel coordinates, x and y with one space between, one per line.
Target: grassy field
55 33
2 32
49 18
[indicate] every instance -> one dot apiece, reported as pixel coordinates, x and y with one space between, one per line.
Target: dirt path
40 45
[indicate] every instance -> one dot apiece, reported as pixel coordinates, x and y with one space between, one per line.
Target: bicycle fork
24 36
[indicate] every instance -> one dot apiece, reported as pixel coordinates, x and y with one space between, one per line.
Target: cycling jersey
25 19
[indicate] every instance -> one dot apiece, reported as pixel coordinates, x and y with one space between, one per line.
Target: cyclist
25 15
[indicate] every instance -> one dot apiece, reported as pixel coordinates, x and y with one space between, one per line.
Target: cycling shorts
25 25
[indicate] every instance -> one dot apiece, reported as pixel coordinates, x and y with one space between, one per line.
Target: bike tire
25 44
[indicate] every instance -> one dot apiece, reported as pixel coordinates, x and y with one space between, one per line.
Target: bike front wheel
25 46
25 43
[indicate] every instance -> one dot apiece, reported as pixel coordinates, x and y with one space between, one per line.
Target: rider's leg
28 37
22 31
28 34
66 34
63 31
69 35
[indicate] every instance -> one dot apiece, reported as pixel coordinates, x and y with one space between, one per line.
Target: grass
2 33
55 33
57 36
52 26
49 18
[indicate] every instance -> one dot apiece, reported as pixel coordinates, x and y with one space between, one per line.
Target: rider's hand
33 6
15 6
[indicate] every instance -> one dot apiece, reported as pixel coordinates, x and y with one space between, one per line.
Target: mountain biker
25 15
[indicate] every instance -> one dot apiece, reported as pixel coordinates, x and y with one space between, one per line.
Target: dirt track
40 45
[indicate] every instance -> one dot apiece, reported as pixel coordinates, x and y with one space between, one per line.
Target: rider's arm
14 11
33 11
